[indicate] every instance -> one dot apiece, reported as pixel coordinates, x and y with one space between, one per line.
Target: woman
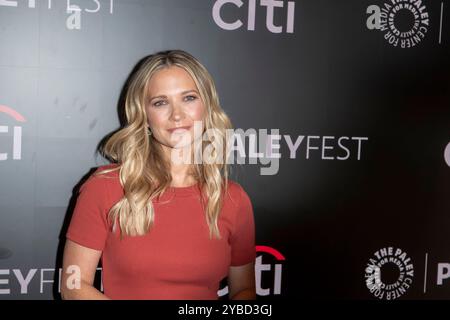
163 229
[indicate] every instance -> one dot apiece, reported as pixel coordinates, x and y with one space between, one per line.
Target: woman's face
174 101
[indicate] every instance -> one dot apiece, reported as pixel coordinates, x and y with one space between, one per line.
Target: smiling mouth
179 130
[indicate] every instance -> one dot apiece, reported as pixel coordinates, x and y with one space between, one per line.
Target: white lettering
74 280
8 3
324 147
374 20
3 156
251 15
259 269
218 19
17 145
359 139
308 147
24 282
443 272
73 22
271 4
4 281
43 280
94 10
293 148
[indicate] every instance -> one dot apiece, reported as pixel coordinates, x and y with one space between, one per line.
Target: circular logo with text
389 273
405 22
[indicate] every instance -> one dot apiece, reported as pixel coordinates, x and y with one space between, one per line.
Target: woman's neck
181 172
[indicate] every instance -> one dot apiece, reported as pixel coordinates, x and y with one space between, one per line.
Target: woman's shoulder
236 192
234 186
102 175
107 171
103 184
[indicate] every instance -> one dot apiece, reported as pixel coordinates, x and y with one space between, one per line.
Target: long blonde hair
143 171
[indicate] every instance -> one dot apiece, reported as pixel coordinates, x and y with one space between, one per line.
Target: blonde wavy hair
143 171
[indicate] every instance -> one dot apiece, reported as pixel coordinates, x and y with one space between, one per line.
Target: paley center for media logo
404 23
403 270
16 146
286 8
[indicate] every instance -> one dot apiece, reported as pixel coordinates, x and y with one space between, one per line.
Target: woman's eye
158 103
190 98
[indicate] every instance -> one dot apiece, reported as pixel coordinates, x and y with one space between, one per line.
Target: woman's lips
179 129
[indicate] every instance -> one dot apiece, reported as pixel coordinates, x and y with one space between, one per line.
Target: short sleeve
88 226
242 240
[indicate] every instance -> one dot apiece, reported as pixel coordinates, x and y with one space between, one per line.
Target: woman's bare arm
241 282
78 272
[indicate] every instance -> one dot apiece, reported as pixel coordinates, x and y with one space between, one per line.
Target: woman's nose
177 112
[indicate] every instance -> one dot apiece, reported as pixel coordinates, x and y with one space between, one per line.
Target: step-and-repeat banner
344 107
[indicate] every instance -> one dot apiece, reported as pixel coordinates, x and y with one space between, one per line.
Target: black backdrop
370 109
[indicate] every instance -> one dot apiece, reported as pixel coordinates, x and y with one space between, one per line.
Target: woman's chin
181 145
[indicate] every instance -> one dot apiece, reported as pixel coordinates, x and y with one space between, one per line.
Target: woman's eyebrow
181 93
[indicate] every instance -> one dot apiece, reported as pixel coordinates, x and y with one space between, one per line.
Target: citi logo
16 133
273 274
271 6
276 272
